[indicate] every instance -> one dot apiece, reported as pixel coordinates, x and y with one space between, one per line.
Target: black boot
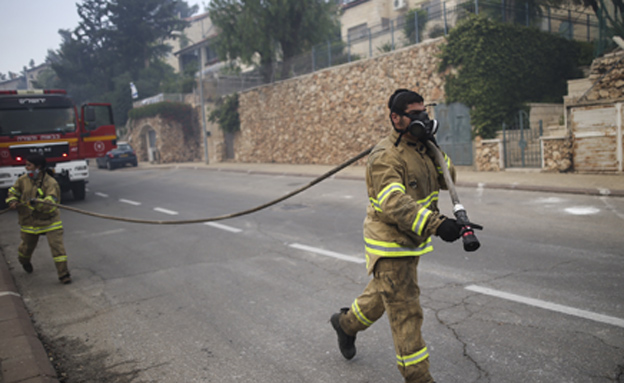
27 267
346 343
65 279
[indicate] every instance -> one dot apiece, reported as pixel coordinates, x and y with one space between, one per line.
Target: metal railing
572 23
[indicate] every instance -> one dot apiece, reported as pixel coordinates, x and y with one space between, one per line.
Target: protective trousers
394 289
57 248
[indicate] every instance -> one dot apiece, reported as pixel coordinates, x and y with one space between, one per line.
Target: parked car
121 156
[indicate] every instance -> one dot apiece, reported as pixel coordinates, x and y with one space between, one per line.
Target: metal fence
438 19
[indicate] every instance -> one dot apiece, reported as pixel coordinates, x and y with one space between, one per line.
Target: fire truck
47 122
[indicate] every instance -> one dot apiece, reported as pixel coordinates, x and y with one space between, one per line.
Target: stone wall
171 144
329 116
488 155
557 154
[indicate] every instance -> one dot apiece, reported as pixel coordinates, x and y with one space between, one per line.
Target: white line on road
130 202
101 195
327 253
548 306
166 211
103 233
223 227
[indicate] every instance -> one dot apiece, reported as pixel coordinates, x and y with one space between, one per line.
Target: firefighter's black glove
449 230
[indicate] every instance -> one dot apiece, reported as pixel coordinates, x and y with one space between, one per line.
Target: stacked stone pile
611 87
557 155
487 155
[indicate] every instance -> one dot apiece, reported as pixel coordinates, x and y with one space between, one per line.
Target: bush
226 113
177 112
500 67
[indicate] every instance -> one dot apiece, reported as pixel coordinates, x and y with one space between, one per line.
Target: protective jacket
403 183
35 217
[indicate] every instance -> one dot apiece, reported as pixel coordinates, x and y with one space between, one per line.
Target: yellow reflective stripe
51 199
21 255
359 314
393 250
426 202
419 221
375 204
13 190
60 258
40 192
44 229
389 189
448 163
415 358
11 199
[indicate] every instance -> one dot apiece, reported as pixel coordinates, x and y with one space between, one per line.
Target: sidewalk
23 358
521 179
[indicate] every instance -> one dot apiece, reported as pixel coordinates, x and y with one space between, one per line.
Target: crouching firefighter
403 183
36 218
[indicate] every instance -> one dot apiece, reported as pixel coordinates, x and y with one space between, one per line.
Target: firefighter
36 218
403 183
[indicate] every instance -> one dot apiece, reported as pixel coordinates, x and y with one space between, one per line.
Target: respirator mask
421 126
33 173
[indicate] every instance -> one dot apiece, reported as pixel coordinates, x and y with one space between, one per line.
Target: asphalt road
249 299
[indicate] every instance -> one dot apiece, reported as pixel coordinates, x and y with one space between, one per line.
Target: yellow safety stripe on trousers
394 250
448 163
21 255
420 220
426 202
44 229
60 258
415 358
359 314
14 191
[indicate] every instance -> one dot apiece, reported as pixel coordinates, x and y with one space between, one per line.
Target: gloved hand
449 230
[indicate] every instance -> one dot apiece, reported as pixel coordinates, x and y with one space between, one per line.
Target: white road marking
130 202
609 205
582 210
327 253
5 293
223 227
103 233
166 211
548 306
101 195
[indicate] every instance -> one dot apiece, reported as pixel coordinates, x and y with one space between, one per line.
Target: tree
118 41
264 32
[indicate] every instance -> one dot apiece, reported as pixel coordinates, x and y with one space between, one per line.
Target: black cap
37 159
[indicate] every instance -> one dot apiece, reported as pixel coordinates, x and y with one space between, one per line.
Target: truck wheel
78 190
4 193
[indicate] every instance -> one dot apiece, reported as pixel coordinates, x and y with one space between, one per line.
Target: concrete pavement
23 358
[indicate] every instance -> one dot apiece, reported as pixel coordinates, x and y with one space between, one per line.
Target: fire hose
471 243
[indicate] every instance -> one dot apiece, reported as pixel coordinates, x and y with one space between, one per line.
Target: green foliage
260 32
180 113
118 41
410 24
500 67
226 114
384 48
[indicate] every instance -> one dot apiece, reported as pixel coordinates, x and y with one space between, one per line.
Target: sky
30 27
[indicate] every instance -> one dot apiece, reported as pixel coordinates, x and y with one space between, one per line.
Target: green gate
521 143
454 132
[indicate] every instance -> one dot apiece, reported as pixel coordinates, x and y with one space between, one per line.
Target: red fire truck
48 122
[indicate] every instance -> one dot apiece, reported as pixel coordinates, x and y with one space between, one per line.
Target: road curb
23 358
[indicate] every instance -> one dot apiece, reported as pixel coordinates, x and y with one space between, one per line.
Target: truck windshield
37 121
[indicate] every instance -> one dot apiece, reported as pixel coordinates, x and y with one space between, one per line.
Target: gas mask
33 174
421 127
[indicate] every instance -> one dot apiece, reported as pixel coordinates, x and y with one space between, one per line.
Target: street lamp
201 95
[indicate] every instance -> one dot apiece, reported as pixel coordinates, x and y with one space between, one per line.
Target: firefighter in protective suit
37 219
403 183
